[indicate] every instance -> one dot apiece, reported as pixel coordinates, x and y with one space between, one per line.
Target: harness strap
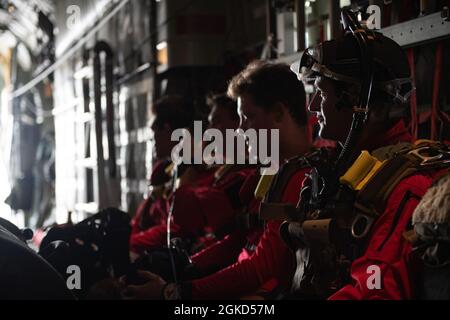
373 196
277 211
271 207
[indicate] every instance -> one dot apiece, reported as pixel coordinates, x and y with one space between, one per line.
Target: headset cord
169 220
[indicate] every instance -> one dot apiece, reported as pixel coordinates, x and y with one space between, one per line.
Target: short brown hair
269 83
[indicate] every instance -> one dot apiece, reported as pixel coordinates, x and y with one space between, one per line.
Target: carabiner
361 226
428 160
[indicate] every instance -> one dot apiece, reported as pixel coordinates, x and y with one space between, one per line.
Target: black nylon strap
277 211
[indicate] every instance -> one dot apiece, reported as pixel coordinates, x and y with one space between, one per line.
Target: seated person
201 203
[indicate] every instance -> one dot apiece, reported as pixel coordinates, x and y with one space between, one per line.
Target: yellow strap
359 170
169 169
263 186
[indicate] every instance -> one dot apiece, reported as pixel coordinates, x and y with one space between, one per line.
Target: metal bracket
431 27
410 33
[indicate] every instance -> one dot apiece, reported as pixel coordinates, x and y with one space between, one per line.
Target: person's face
161 139
220 118
334 123
254 117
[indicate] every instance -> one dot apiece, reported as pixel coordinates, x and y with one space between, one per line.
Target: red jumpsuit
272 263
156 211
210 204
236 246
387 249
152 211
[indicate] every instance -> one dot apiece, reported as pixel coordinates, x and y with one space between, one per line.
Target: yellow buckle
361 171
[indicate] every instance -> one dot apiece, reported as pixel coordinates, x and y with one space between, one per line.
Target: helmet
340 60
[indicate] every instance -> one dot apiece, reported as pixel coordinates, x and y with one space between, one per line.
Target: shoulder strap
271 207
421 157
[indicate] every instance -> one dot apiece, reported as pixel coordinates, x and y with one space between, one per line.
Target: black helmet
340 59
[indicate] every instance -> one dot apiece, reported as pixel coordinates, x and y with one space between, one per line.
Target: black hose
169 218
361 112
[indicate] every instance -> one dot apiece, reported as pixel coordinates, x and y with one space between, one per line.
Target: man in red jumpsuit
169 113
265 101
205 200
385 267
